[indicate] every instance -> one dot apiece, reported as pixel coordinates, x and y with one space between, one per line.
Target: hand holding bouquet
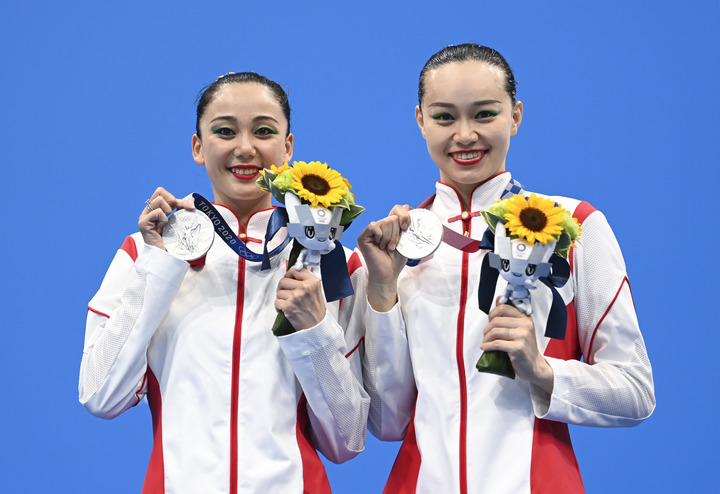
532 238
318 207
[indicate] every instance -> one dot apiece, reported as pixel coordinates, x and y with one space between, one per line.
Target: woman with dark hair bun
235 408
466 431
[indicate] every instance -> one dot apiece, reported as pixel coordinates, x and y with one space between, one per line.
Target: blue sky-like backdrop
98 110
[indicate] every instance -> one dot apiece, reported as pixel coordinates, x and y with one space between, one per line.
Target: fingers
300 298
505 322
155 214
403 214
384 233
165 201
504 310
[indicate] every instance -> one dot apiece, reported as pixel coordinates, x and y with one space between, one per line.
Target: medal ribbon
461 242
229 237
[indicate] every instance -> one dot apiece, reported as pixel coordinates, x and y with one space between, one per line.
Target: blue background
98 110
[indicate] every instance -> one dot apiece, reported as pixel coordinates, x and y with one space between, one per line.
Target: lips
470 157
245 172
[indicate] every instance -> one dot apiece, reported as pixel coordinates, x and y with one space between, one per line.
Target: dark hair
464 53
208 93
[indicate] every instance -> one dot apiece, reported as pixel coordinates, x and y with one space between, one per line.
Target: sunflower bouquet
532 238
318 207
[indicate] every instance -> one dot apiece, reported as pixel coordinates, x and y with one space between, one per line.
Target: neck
245 209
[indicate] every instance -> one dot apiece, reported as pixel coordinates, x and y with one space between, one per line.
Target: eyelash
260 131
265 131
442 117
223 131
447 117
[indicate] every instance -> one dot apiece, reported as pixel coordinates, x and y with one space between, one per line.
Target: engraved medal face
188 234
422 237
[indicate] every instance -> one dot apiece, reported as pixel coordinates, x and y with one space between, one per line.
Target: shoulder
132 245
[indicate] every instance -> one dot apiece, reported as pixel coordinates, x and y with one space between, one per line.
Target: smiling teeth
244 171
469 156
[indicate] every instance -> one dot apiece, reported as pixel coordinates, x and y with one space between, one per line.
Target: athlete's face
242 131
467 119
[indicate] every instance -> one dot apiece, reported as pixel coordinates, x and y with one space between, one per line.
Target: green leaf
262 183
278 195
491 220
350 214
563 243
496 362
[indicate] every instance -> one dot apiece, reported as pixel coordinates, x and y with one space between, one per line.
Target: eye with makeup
223 131
442 117
483 114
265 130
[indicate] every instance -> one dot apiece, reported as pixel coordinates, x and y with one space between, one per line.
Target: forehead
471 80
244 99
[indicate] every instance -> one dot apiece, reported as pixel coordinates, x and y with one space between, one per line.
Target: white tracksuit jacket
471 432
235 409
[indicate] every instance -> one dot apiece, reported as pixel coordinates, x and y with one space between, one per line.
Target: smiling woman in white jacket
235 408
469 432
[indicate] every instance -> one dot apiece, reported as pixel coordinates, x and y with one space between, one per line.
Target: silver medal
422 237
188 234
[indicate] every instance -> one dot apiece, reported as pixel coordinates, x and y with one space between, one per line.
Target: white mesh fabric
617 387
595 282
338 390
608 392
104 344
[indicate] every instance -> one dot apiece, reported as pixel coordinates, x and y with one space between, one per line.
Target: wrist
544 376
382 296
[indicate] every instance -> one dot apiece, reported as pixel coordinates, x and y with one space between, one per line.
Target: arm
387 368
124 314
137 290
322 356
613 387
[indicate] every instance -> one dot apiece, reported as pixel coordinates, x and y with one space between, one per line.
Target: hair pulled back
464 53
208 93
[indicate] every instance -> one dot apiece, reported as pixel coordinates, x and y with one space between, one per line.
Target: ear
291 201
420 120
517 113
197 150
288 148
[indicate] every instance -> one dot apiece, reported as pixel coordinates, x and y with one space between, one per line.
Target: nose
465 133
244 147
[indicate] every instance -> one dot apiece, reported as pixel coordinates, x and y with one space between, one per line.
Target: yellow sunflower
278 170
536 219
317 184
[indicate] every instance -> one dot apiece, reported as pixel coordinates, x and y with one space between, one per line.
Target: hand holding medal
186 234
422 237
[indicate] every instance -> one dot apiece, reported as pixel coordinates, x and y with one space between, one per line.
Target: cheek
435 141
500 136
274 153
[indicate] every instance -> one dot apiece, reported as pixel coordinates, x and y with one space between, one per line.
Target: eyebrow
259 118
475 103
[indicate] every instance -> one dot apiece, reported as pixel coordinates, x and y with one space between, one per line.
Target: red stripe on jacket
235 372
406 469
315 479
155 476
130 247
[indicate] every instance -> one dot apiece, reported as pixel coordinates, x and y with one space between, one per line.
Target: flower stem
496 361
282 326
